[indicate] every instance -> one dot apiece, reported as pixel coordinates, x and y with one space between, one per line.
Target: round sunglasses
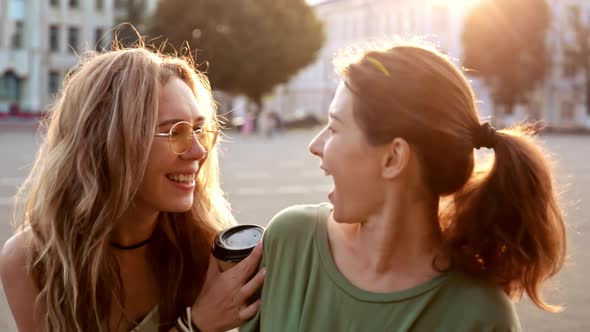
181 136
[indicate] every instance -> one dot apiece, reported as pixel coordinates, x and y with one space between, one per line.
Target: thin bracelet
185 324
181 325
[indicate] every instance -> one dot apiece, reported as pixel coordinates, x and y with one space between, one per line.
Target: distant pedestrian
277 122
248 126
268 124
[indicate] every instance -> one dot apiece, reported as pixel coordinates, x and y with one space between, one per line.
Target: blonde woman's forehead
178 102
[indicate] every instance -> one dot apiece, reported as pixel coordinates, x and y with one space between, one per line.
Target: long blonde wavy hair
86 174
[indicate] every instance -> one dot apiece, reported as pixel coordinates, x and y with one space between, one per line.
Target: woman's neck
401 238
135 226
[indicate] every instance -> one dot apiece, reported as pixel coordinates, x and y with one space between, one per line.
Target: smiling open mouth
182 178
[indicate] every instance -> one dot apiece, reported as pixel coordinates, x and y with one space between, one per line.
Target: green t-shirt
304 290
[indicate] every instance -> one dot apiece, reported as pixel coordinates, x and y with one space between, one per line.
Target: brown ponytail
502 225
505 225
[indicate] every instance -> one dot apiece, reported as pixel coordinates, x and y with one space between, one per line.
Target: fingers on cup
248 266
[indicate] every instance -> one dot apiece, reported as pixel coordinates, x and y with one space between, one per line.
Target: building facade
559 103
350 22
40 40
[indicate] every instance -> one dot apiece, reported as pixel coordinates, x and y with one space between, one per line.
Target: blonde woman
122 204
417 236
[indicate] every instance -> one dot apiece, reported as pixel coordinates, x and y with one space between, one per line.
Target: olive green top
304 290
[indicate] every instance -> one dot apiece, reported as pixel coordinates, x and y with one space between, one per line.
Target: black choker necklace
131 247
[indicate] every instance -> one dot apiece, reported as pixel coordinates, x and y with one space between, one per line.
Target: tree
504 43
577 54
134 17
250 46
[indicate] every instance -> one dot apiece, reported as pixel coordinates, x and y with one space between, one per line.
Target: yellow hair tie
379 66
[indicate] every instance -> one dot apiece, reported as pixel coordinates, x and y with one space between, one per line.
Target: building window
569 68
99 5
348 29
100 39
567 110
10 87
440 19
400 21
17 37
54 3
573 12
54 38
54 82
413 20
355 28
73 39
74 3
120 4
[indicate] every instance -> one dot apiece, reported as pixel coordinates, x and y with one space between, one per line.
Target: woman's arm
18 284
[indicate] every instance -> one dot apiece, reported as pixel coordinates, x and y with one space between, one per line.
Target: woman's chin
344 217
179 207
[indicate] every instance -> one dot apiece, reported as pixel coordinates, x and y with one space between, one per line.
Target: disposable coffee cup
233 244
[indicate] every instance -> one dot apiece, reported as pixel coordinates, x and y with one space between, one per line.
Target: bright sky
455 2
462 3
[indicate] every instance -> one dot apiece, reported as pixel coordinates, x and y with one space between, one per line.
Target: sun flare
457 3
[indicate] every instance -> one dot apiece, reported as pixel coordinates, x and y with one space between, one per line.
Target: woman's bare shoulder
19 288
13 257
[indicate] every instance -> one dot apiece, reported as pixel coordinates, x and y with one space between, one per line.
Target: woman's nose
196 151
316 146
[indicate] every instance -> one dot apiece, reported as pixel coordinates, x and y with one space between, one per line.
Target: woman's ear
396 158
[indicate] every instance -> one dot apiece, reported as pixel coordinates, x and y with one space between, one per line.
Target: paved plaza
261 176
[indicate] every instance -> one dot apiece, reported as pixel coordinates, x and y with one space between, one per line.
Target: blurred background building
40 39
352 21
560 103
39 43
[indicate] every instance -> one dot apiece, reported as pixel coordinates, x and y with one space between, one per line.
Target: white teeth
182 177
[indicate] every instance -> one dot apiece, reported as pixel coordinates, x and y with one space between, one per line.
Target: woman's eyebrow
200 119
